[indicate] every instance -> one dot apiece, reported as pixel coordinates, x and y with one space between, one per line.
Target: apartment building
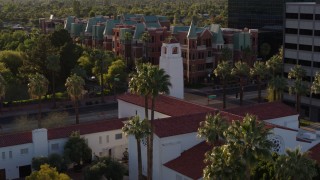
302 46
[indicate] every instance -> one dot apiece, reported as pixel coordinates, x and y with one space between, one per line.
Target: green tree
12 60
47 172
38 87
315 87
246 143
212 128
298 88
295 165
241 70
139 129
53 64
102 61
76 150
265 49
75 89
277 83
145 38
223 71
117 75
259 72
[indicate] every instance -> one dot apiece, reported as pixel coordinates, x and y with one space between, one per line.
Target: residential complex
302 46
202 47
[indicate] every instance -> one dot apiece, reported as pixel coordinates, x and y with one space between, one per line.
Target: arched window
175 50
164 50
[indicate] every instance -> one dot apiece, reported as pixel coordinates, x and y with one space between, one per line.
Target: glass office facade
257 13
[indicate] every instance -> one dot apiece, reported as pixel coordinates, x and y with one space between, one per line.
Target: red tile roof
314 153
15 139
184 124
191 162
265 111
167 105
63 132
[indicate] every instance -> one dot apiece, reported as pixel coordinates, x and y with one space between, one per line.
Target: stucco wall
288 121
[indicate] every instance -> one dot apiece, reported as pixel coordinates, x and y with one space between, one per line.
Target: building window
107 139
316 64
209 54
291 15
306 16
10 154
307 32
175 50
316 48
304 63
290 61
100 140
290 46
118 136
291 31
24 151
305 47
55 147
317 16
317 32
3 155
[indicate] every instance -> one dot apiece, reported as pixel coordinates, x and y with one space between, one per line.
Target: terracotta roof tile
314 153
265 111
184 124
85 128
63 132
167 105
191 162
15 139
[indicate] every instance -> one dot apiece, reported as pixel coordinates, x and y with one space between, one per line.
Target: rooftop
314 153
262 110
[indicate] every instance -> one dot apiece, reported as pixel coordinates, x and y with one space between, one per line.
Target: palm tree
315 88
212 128
250 138
139 129
145 38
223 71
138 85
298 88
259 71
53 64
75 89
100 68
276 83
38 87
241 70
158 82
2 90
295 165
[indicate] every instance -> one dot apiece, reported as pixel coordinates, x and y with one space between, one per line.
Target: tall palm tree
241 70
100 68
139 129
158 82
212 128
53 64
276 83
138 85
2 90
259 71
250 138
223 71
38 87
298 88
75 88
315 88
145 38
295 165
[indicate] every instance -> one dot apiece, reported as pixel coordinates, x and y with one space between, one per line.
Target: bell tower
171 62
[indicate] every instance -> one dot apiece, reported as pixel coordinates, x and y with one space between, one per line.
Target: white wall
126 109
288 121
289 138
170 174
11 165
